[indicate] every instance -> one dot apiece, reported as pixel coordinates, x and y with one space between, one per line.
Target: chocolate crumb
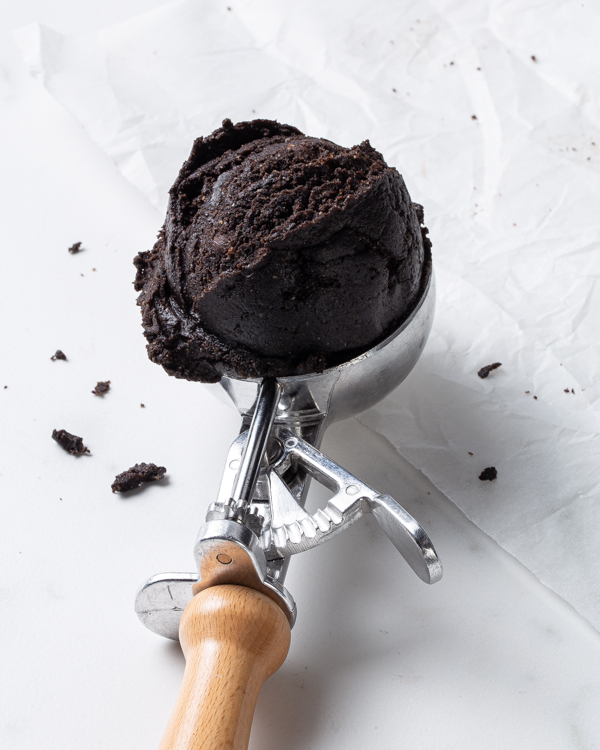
485 371
488 474
534 58
527 391
535 397
473 117
469 452
143 406
394 90
70 443
137 475
58 355
102 387
75 248
573 391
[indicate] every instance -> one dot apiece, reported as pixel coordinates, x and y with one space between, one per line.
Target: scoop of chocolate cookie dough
281 254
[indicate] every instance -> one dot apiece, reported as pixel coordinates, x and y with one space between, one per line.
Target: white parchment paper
490 110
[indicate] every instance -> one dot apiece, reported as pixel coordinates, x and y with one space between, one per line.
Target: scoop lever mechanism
248 538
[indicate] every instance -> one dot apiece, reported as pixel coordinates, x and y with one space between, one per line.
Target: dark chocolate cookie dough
281 254
136 476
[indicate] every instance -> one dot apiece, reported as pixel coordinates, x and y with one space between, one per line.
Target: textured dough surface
281 254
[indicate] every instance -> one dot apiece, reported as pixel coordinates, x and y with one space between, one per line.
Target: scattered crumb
527 392
478 68
473 117
93 269
143 406
573 391
75 248
81 274
5 387
70 443
137 475
535 397
58 355
394 90
534 58
488 474
469 452
485 371
102 387
452 62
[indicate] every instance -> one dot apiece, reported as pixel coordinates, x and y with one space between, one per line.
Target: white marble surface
487 658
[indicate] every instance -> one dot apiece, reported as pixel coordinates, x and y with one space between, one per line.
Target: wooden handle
233 638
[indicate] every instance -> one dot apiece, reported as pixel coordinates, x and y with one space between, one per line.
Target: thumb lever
293 530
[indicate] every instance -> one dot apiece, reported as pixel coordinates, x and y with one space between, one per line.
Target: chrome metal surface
265 411
227 552
160 602
408 537
293 530
288 529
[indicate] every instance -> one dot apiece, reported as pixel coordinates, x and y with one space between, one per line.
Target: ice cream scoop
337 340
281 254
